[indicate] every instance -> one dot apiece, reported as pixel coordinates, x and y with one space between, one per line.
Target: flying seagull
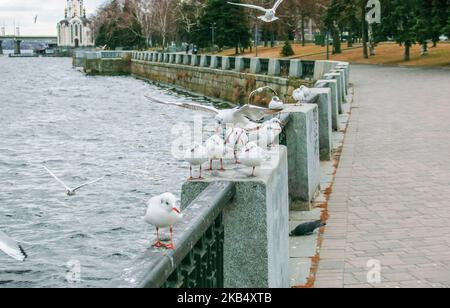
239 116
307 228
70 191
269 14
162 212
12 248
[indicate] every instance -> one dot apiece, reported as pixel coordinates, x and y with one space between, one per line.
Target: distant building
75 29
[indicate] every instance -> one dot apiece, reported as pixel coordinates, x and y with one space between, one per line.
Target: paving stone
392 185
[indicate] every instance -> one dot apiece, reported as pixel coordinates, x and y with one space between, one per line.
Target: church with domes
75 29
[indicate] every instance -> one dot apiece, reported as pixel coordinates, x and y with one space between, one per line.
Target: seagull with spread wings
239 116
70 191
269 14
12 248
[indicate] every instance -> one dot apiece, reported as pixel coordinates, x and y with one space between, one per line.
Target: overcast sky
49 13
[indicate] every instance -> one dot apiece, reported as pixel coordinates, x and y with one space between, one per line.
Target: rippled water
81 128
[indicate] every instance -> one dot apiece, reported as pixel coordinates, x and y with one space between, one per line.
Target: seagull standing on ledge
12 248
215 149
196 156
302 94
162 212
251 156
269 14
70 191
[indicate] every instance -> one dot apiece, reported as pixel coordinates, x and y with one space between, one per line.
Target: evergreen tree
231 25
423 26
287 50
403 20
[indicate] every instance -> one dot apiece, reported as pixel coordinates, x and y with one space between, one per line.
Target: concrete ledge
255 66
214 62
274 67
225 63
195 60
335 106
337 77
296 69
325 123
302 139
343 78
260 210
239 64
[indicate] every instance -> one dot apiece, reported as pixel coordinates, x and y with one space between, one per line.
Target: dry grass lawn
387 53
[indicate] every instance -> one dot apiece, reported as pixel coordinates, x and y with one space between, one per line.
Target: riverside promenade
391 196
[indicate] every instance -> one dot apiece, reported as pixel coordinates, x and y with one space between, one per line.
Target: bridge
19 39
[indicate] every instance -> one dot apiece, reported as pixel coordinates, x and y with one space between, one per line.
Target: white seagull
12 248
251 156
196 156
70 191
269 14
239 116
162 212
302 94
276 103
236 139
268 132
215 149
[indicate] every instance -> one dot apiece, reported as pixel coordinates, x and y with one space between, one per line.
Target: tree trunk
336 41
364 31
350 39
407 51
303 30
424 50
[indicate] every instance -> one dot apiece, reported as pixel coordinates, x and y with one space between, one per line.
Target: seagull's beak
176 210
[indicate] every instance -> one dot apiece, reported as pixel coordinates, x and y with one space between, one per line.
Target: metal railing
198 260
308 68
284 65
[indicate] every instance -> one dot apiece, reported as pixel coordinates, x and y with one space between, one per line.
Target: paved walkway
391 197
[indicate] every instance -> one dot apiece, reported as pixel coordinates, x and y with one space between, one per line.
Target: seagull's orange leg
158 242
171 245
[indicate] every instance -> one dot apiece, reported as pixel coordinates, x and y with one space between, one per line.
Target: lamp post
213 33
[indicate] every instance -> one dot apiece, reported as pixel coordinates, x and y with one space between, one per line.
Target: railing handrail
152 269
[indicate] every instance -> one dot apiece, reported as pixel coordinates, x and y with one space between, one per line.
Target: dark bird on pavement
307 228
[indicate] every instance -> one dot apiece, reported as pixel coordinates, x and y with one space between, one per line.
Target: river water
81 128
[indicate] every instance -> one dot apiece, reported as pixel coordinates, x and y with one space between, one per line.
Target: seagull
276 104
307 228
302 94
251 156
269 14
69 191
196 156
162 212
12 248
239 116
237 138
215 149
268 132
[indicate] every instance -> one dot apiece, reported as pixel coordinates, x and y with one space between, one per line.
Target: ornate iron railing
198 260
308 68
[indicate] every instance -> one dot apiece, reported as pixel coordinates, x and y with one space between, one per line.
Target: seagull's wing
12 248
256 113
277 4
249 6
56 178
191 106
89 183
